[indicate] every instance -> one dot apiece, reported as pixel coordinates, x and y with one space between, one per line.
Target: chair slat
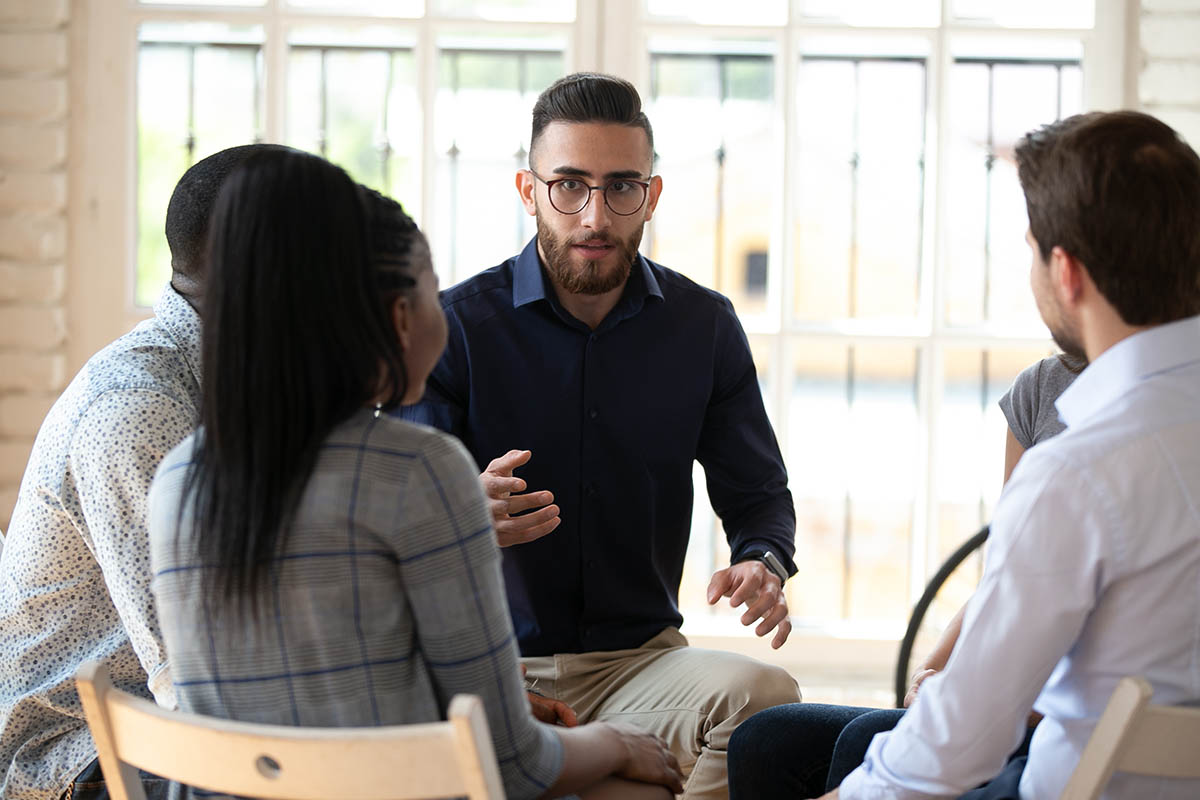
279 762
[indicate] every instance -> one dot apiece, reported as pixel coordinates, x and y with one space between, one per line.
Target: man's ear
652 196
402 321
526 186
1068 275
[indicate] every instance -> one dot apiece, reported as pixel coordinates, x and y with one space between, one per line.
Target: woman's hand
917 679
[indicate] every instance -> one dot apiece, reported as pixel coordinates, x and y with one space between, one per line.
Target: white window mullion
275 75
427 79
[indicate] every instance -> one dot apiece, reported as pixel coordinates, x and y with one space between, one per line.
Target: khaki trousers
692 698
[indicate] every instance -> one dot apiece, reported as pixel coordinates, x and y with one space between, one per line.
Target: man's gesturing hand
499 484
750 582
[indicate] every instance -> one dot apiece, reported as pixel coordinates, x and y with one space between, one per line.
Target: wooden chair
431 760
1134 736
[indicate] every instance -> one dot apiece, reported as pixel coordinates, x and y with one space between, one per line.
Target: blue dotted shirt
75 567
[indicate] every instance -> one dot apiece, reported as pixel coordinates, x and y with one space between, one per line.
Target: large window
841 170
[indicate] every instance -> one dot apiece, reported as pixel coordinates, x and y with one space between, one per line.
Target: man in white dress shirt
1093 569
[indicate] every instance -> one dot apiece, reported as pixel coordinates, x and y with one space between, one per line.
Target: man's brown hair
1119 191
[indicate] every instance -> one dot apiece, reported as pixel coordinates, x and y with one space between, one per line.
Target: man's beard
591 278
1066 337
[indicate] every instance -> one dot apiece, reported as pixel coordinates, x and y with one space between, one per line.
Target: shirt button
593 413
592 491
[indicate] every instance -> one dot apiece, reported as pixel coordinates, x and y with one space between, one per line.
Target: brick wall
1169 80
33 226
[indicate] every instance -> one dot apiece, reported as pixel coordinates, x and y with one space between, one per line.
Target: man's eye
570 186
620 187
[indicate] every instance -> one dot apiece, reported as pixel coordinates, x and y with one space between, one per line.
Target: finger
777 615
753 581
507 537
566 714
524 670
500 485
543 709
676 773
782 633
523 502
720 585
499 511
760 606
533 519
505 464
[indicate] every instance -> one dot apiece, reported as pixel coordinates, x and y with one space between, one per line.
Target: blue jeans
807 749
800 749
89 785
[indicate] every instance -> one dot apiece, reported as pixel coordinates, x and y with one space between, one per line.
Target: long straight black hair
298 336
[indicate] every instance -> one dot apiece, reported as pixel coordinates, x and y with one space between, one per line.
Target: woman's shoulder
387 435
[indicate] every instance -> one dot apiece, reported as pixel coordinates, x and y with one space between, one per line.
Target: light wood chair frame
454 758
1136 737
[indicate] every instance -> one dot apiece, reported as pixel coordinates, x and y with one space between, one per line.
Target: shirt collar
182 324
1127 363
529 285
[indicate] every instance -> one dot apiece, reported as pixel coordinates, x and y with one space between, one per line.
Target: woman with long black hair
319 562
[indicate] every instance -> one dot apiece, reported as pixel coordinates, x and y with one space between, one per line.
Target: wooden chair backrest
1136 737
439 759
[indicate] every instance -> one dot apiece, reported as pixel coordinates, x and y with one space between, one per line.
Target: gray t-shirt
1028 405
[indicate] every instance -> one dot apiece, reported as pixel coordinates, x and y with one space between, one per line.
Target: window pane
378 8
851 450
721 197
970 440
898 13
1028 13
720 12
517 10
198 92
992 104
358 108
861 188
479 217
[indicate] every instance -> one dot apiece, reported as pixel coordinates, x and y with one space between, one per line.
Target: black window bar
383 144
453 154
990 155
190 48
723 62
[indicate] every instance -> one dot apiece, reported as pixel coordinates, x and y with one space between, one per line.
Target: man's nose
595 214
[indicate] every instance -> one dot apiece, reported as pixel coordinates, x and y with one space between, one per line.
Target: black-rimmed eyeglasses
623 196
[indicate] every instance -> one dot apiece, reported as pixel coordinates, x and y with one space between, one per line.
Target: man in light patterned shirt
75 568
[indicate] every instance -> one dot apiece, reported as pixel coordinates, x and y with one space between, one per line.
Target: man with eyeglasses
601 377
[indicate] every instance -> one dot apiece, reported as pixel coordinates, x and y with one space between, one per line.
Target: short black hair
590 97
1120 191
192 203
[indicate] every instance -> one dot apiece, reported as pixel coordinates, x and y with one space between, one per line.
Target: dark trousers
804 750
89 785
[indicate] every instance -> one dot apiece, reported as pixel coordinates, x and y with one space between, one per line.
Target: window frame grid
1106 83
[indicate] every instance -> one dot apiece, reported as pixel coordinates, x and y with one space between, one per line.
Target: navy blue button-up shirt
614 418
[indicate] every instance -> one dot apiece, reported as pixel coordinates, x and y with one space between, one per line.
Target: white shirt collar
1127 363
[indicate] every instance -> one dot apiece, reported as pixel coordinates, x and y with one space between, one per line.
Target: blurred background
841 169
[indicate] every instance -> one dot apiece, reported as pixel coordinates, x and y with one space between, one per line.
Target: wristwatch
771 561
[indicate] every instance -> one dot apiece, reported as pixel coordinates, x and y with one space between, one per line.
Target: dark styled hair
589 97
1120 192
192 202
298 336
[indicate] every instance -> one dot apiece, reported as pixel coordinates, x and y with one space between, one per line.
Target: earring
378 407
